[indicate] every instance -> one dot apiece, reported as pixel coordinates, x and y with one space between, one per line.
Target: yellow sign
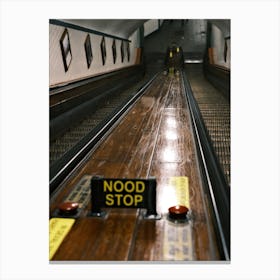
118 193
58 228
123 193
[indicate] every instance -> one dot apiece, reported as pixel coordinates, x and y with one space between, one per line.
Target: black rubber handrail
63 166
216 185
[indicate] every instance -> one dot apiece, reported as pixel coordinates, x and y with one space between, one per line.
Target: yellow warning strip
59 228
177 242
181 186
81 192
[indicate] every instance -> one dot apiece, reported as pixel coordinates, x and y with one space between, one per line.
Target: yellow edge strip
58 229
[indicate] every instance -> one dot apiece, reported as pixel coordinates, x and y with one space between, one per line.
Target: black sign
123 193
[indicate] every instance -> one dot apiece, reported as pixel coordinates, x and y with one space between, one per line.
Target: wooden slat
80 240
175 156
110 160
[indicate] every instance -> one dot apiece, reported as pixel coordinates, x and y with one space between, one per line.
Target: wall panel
78 68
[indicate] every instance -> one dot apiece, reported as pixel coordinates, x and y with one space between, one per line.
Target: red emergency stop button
68 208
178 212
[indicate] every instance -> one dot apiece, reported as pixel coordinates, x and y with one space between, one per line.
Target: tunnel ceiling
123 28
223 25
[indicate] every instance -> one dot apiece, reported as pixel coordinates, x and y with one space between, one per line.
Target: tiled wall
78 68
150 26
218 44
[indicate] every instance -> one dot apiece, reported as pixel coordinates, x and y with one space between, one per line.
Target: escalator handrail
62 169
217 187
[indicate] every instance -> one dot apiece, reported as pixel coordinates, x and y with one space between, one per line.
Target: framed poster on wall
103 50
114 51
122 51
66 50
88 50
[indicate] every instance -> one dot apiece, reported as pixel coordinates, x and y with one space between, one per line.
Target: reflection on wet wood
154 139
